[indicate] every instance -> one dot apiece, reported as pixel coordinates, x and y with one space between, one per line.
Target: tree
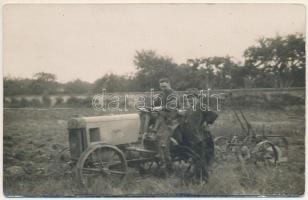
213 72
151 67
281 59
16 86
77 87
44 83
203 72
112 83
184 77
45 77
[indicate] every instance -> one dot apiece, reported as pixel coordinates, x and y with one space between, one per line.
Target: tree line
270 63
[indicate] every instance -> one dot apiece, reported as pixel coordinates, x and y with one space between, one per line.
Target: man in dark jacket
167 105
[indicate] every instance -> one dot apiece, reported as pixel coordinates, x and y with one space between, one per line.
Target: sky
87 41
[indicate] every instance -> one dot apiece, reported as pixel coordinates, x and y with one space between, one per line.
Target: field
32 138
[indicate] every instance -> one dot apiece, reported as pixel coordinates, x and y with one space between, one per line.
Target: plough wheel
265 153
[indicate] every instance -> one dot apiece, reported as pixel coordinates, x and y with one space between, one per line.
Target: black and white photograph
154 99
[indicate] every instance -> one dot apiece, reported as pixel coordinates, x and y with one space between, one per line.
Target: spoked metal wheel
265 153
101 168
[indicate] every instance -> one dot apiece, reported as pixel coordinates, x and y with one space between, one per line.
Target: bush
80 102
74 101
36 103
46 100
87 102
15 103
59 100
24 103
6 103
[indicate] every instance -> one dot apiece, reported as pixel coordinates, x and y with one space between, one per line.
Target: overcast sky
88 41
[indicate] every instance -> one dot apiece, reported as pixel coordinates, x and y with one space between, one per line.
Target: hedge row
273 101
46 102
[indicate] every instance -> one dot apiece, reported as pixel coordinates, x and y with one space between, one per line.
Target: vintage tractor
103 148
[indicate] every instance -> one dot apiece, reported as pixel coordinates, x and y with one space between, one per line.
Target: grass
32 138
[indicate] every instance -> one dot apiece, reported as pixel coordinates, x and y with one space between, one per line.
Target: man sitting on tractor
167 105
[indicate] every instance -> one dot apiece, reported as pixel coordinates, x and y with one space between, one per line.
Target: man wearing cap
167 99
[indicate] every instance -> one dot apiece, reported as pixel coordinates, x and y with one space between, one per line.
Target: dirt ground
32 139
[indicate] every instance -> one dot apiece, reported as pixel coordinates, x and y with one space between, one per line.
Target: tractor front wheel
101 167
